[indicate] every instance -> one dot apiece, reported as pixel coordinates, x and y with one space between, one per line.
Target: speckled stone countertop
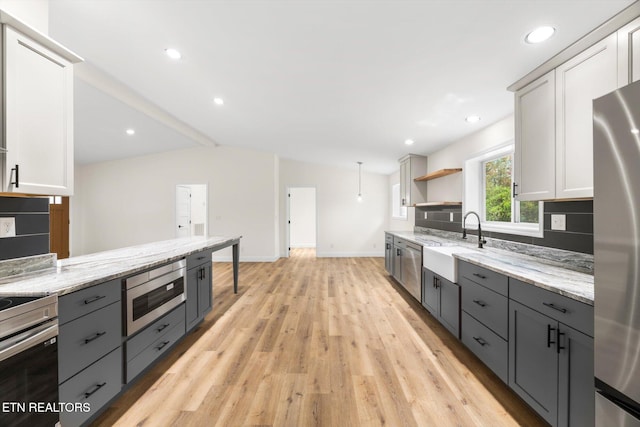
546 274
80 272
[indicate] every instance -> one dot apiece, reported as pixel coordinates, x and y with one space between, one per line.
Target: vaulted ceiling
331 82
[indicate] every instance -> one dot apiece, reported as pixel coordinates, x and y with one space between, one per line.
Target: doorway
302 222
59 226
191 210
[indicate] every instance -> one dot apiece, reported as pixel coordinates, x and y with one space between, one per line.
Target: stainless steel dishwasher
411 265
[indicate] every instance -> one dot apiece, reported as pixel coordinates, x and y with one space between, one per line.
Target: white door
183 211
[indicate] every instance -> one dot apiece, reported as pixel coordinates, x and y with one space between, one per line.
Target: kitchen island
73 274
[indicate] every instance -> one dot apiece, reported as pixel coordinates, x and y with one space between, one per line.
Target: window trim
474 195
401 208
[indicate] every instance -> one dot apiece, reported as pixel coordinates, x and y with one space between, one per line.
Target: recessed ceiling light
409 141
472 119
130 132
218 101
173 53
539 35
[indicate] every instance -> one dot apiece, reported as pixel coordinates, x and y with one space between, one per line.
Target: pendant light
360 181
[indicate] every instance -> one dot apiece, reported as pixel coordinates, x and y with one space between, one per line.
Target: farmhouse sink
441 261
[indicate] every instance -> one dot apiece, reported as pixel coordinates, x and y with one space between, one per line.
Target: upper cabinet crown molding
37 36
606 29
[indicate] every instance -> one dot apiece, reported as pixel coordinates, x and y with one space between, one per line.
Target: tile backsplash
577 237
32 227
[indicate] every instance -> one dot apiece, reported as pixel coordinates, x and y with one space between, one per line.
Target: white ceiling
331 82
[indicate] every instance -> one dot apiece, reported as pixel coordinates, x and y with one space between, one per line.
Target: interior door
183 211
59 227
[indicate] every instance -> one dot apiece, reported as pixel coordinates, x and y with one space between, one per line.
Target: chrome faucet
464 230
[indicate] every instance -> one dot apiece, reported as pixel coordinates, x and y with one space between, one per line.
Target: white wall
450 188
35 13
302 214
345 227
132 201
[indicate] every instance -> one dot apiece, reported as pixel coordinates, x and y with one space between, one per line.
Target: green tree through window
498 199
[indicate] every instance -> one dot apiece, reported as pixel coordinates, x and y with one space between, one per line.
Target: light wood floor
317 341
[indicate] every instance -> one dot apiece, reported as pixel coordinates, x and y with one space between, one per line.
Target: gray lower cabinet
550 362
485 316
397 261
94 387
199 288
388 253
146 347
441 298
89 349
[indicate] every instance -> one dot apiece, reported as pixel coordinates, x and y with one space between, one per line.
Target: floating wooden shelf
438 174
438 204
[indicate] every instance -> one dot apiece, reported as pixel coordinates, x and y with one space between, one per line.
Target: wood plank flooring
317 342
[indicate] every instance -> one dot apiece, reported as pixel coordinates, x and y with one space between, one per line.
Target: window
488 186
397 210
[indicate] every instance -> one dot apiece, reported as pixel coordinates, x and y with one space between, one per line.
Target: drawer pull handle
94 299
163 345
480 275
480 303
163 327
549 342
96 388
95 337
480 341
551 305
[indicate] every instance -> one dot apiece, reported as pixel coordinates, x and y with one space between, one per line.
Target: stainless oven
151 294
29 361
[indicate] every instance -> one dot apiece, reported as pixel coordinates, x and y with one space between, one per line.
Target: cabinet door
449 305
533 359
397 263
576 390
192 297
405 183
535 140
629 53
204 290
388 258
38 87
430 293
587 76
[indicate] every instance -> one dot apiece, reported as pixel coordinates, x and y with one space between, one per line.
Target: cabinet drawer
388 238
483 276
151 333
157 348
566 310
198 258
399 242
87 339
486 306
94 386
485 344
85 301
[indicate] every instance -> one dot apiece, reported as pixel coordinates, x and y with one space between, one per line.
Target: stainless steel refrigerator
616 145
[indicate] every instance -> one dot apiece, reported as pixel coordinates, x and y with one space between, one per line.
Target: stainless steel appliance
151 294
616 145
29 361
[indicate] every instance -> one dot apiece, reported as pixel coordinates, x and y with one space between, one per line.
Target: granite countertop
533 270
75 273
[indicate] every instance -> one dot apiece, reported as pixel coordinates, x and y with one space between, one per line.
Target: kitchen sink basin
441 261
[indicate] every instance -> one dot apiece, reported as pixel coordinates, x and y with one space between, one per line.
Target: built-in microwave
151 294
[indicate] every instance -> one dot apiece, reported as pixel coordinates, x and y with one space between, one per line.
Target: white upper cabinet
629 53
589 75
38 111
535 140
412 166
